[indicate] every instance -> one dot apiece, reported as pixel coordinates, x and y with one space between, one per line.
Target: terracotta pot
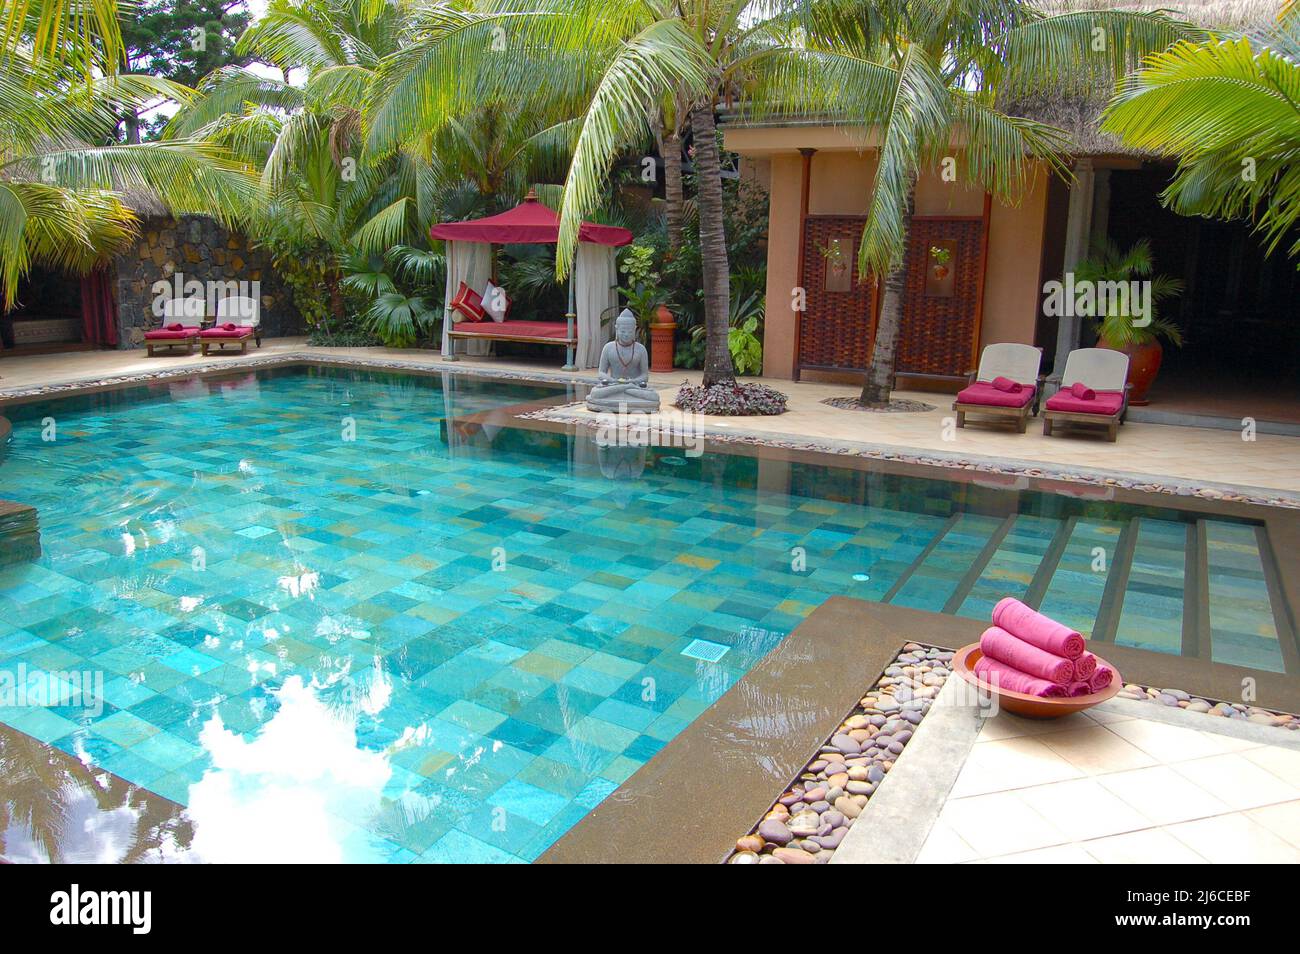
1143 366
941 272
661 339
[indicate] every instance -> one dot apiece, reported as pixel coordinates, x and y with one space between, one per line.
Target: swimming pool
343 616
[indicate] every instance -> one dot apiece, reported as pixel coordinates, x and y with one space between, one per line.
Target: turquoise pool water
336 621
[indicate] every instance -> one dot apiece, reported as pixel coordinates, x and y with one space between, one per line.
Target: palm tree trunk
880 373
673 197
718 368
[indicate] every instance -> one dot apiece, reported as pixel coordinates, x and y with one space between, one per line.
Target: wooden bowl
1033 707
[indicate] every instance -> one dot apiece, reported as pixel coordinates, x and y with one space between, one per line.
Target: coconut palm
938 72
1229 109
63 184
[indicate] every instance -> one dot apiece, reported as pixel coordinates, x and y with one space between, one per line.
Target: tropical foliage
1229 109
65 187
1109 263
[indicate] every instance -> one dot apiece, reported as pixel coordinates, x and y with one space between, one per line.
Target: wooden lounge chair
219 336
242 311
181 319
1003 363
1100 370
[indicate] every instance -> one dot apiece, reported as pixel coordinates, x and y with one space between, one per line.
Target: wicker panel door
835 328
941 304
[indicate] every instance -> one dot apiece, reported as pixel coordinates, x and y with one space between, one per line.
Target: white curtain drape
596 281
471 263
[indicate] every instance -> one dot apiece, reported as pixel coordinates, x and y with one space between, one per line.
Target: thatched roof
1078 115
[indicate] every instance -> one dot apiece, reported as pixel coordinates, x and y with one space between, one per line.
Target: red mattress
520 329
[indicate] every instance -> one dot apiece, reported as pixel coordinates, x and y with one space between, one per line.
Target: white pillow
496 302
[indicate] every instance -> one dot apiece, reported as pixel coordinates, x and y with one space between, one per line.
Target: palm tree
934 73
1229 109
62 184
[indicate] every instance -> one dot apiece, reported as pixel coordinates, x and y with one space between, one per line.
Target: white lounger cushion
1098 368
241 310
179 309
1019 362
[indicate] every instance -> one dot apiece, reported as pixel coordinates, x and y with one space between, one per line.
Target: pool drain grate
705 651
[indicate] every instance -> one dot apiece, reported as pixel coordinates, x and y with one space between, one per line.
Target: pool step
1079 572
20 533
932 581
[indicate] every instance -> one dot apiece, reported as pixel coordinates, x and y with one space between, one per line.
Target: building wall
196 248
840 184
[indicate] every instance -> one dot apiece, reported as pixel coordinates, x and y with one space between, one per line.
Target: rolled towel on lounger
997 643
1006 384
1001 676
1082 391
1085 666
1035 628
1101 678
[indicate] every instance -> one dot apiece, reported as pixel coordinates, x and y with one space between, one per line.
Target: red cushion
1104 404
469 303
240 331
982 392
530 329
166 334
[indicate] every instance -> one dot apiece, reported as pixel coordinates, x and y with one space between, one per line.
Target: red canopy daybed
591 283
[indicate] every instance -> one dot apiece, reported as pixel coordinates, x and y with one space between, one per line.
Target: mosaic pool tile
484 631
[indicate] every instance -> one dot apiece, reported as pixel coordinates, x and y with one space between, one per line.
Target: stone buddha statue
623 373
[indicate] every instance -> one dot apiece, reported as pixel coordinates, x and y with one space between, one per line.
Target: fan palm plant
1229 109
63 185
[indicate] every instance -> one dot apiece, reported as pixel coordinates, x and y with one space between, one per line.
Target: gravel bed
811 817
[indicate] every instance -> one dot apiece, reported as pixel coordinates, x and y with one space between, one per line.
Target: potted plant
940 257
1118 327
649 302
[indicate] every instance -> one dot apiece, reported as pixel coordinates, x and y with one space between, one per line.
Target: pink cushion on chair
178 333
233 331
982 392
1105 404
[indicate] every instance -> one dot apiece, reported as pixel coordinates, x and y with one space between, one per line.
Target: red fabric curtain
98 308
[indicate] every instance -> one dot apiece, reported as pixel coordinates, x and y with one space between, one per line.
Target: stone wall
198 249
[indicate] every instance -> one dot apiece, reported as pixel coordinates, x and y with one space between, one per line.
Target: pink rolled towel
1080 688
997 643
1038 630
1085 666
1002 676
1101 678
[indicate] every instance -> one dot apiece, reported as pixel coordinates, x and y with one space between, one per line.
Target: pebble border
895 407
564 414
811 817
1229 710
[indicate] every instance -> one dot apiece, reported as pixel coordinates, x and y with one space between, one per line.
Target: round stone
804 824
775 832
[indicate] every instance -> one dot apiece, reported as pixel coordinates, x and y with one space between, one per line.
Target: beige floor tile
1284 763
1162 795
1004 725
1171 743
1056 855
1235 839
1237 782
1282 820
1000 824
1096 750
1009 764
1105 716
1148 846
1083 809
944 847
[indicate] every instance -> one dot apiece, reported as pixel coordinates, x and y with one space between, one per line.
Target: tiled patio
1187 454
1110 786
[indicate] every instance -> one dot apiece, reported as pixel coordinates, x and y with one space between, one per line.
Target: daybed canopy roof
528 223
